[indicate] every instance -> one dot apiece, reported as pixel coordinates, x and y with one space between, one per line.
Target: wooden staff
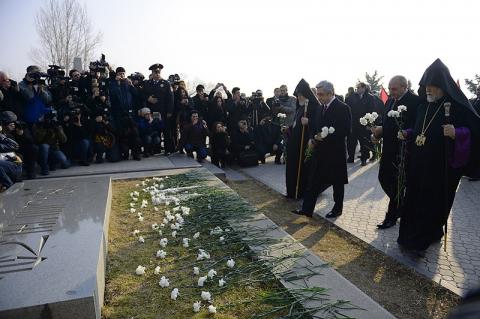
301 151
447 156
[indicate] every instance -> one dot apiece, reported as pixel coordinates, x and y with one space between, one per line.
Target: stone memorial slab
53 237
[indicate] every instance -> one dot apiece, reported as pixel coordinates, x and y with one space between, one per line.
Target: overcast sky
262 44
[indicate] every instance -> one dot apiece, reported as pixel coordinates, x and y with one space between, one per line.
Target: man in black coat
360 103
329 166
159 99
201 102
393 149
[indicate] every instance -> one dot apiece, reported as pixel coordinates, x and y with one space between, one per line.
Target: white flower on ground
161 253
401 108
157 270
216 231
221 238
155 209
140 218
164 282
134 199
201 281
230 263
197 234
160 232
227 230
363 121
165 221
163 242
162 225
209 206
206 296
212 309
185 242
202 254
196 306
170 218
154 226
167 203
173 226
143 206
141 239
136 232
136 193
185 210
196 271
221 282
140 270
174 294
331 130
174 233
132 210
132 205
211 273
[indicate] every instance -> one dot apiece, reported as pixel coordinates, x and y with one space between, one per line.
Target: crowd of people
427 141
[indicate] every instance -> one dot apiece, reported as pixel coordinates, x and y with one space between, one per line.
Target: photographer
201 102
217 112
128 137
196 133
237 108
274 102
243 144
79 138
48 134
219 142
10 98
268 139
158 95
184 108
104 142
35 95
19 132
149 129
10 163
122 94
259 111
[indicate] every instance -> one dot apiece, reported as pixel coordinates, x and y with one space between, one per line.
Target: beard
431 98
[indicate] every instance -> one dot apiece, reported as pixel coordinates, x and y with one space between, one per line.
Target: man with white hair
10 98
393 149
329 159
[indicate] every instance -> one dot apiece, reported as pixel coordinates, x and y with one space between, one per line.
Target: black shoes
364 163
301 212
334 213
387 224
350 160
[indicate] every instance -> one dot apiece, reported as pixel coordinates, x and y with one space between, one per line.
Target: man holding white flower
329 159
404 102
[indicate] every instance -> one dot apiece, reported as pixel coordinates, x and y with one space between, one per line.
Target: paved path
457 269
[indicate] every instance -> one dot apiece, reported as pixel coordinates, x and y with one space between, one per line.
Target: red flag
383 95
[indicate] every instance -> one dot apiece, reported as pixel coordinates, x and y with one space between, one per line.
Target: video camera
137 76
99 65
172 78
37 77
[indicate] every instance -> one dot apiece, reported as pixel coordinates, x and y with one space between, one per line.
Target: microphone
447 106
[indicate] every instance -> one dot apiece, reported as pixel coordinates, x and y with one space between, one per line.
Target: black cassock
431 185
434 169
293 148
388 172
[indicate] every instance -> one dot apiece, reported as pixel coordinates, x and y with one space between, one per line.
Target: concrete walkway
457 269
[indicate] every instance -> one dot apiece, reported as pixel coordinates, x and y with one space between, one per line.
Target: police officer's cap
156 66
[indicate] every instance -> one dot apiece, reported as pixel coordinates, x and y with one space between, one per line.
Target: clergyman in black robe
391 153
443 141
295 148
329 160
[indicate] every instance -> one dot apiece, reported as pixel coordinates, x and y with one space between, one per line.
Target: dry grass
130 296
398 289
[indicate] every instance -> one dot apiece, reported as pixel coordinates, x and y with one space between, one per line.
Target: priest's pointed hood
304 89
437 74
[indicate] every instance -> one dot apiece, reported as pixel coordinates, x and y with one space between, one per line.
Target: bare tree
65 32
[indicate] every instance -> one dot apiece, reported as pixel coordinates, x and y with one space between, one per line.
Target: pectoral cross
420 140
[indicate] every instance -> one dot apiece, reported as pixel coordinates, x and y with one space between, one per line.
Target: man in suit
329 165
389 162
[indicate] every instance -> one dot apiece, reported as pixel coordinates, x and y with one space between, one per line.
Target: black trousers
362 136
311 195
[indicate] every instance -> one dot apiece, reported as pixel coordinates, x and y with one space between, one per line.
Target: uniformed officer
159 98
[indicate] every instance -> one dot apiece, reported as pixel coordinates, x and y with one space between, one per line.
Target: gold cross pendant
420 140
